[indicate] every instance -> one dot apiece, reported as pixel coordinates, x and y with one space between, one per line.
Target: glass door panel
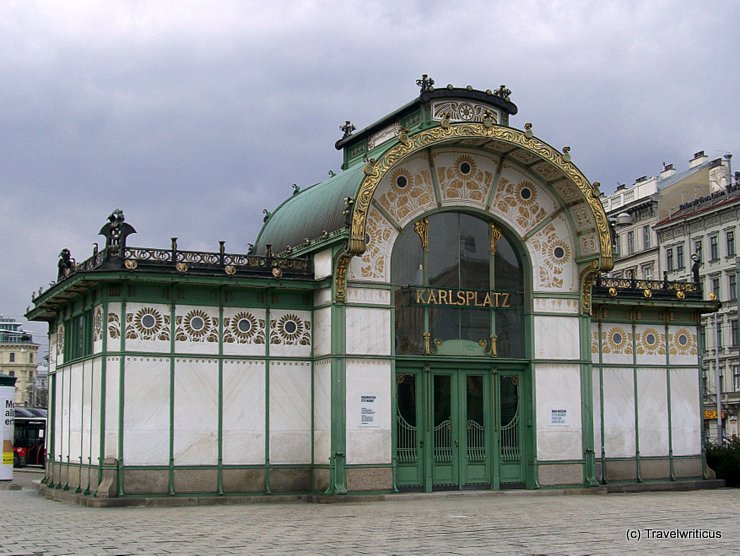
444 443
510 409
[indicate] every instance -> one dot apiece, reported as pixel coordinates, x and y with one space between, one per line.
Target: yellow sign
711 414
7 458
463 298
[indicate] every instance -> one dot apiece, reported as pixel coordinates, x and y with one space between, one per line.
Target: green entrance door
451 435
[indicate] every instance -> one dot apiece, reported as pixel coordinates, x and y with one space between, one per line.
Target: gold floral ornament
290 330
650 342
146 324
131 264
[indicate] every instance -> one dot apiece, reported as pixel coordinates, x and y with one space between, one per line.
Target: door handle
456 444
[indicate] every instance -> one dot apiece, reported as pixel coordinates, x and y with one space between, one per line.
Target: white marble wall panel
75 412
619 413
95 423
558 388
58 346
290 412
112 397
196 329
465 178
374 264
52 352
368 296
322 411
557 337
556 305
367 444
322 264
552 252
146 414
196 411
368 331
617 345
322 332
686 415
290 333
322 297
520 200
244 332
682 345
87 397
652 411
596 396
243 412
650 344
61 399
407 191
146 327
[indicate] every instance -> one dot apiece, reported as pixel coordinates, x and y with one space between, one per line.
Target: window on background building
11 373
30 357
732 283
733 333
730 236
697 247
718 334
647 272
679 256
669 258
12 357
703 336
736 377
646 237
715 287
714 248
630 242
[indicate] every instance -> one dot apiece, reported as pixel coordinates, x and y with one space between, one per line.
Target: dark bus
30 435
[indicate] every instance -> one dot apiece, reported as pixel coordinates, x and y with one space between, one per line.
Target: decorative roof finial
503 92
426 83
347 128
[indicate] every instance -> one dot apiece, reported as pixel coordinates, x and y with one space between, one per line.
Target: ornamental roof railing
635 288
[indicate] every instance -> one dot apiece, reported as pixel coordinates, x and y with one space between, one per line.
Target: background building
18 358
708 227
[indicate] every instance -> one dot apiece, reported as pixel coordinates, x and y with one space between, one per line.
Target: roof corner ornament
65 265
426 83
503 93
347 212
267 215
566 154
528 133
116 230
347 129
296 189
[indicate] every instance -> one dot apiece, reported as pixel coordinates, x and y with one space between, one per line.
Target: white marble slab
322 410
619 413
244 412
290 412
112 383
95 423
652 408
686 417
596 387
322 297
557 337
75 412
139 338
322 332
368 331
196 411
368 296
196 329
291 333
322 264
558 388
244 343
146 411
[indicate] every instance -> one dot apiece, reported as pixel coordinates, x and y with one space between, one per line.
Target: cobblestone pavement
523 524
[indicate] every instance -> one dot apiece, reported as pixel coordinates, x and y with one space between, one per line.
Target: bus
30 436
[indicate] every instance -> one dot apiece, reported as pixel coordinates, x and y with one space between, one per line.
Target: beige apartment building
18 358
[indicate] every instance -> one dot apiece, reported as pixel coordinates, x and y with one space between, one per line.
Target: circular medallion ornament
182 267
244 325
130 264
647 293
683 339
290 327
680 294
148 322
465 166
401 178
196 323
230 270
613 291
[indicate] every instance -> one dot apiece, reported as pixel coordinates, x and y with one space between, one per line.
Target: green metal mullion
531 438
103 372
637 411
428 427
220 460
601 405
668 403
587 404
268 334
338 473
121 388
171 434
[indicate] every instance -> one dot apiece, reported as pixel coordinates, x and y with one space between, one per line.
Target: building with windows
635 210
392 330
707 227
18 358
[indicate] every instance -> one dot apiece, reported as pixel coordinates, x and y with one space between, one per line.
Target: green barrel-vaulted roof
311 213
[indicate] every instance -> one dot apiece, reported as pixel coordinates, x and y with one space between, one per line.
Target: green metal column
338 461
587 404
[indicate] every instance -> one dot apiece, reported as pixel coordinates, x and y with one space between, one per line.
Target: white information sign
559 417
369 410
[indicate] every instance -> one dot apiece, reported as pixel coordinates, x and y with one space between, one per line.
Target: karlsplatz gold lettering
463 298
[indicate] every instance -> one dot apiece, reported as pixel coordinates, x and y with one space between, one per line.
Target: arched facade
422 320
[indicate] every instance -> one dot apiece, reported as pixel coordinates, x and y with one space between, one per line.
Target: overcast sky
193 116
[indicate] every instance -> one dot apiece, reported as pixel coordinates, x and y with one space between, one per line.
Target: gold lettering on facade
463 298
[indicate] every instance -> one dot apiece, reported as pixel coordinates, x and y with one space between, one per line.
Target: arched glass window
459 286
